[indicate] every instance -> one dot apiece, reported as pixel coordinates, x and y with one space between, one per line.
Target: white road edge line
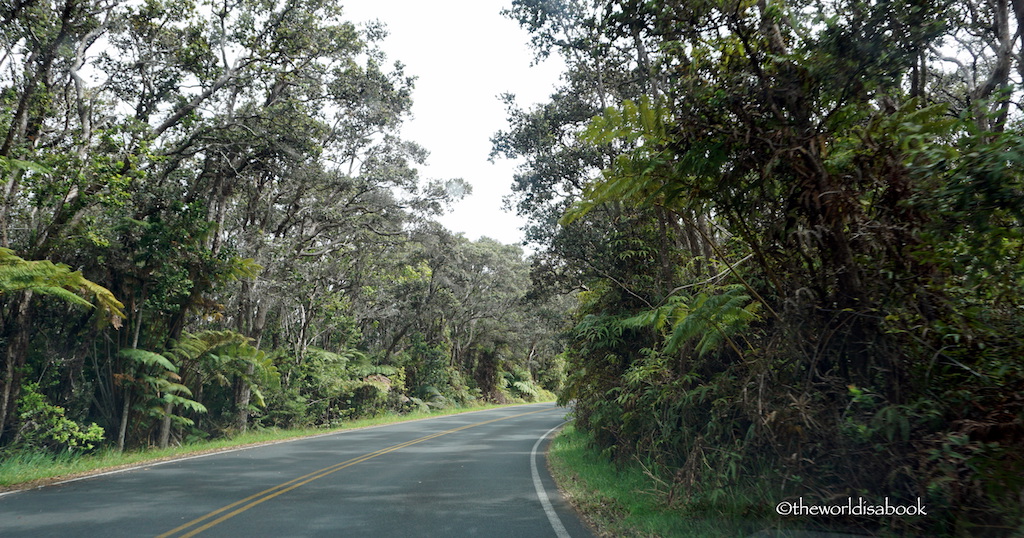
542 494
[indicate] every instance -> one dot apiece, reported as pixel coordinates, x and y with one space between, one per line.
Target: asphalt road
474 474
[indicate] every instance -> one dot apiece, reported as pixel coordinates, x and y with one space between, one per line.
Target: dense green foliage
210 221
794 231
797 230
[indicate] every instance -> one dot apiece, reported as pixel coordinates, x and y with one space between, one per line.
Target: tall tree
823 197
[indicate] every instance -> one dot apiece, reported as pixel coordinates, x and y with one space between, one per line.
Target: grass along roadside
21 471
623 501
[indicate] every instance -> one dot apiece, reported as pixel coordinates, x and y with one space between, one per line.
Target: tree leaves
236 176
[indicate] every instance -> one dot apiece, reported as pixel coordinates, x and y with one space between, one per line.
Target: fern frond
525 387
47 278
186 403
711 319
192 346
148 358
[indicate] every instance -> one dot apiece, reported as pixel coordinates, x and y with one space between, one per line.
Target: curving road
474 474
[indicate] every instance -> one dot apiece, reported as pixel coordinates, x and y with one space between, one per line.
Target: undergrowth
627 500
20 469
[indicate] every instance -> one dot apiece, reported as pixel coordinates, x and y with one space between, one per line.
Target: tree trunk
126 393
14 357
165 426
123 427
244 394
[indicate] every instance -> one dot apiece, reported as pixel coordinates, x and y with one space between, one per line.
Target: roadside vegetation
795 233
26 469
627 500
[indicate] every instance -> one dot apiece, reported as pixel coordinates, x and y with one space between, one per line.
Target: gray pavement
462 475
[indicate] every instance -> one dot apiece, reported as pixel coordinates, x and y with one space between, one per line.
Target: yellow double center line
238 507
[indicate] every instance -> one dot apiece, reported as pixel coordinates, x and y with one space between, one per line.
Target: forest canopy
210 221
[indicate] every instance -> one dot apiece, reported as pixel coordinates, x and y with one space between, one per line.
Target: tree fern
644 173
47 278
708 318
221 357
713 318
192 346
141 357
519 383
156 383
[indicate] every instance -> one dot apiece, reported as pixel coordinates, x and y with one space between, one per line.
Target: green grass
623 501
24 469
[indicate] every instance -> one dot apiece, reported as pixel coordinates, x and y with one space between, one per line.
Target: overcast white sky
465 54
